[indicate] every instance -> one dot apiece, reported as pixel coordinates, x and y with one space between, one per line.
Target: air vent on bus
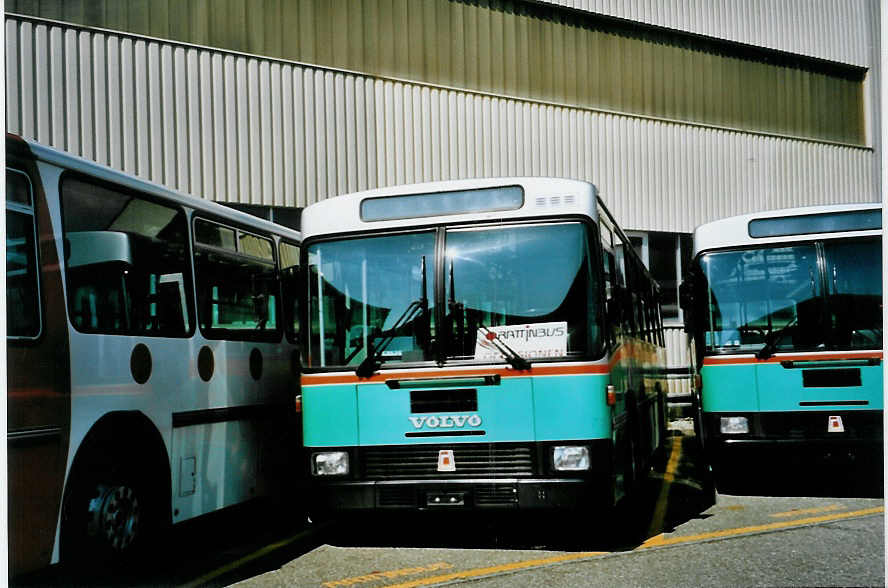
556 200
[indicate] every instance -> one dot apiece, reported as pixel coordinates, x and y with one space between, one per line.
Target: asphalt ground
803 528
806 528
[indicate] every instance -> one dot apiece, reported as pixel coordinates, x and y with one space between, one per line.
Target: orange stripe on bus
780 358
319 379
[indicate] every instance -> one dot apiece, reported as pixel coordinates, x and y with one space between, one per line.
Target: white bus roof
66 160
541 197
736 231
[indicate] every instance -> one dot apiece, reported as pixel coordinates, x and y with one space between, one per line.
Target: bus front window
530 286
763 296
363 296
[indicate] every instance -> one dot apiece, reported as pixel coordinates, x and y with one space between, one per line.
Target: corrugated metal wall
237 128
837 30
516 48
677 357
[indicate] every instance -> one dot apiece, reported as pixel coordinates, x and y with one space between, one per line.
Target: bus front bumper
442 495
783 439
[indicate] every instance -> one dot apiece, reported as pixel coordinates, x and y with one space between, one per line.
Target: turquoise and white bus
151 358
785 312
477 344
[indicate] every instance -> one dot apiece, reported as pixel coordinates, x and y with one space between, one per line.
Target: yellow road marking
804 511
657 541
660 540
509 567
388 575
668 477
248 558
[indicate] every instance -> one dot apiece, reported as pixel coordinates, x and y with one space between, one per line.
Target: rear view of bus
785 311
459 352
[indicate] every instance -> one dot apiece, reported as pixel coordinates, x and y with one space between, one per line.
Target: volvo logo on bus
445 421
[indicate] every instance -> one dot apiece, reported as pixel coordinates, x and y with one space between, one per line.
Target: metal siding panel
127 106
217 164
208 126
13 77
142 98
338 132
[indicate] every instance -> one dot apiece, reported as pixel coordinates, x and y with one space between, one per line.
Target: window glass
532 285
371 293
236 292
289 256
255 246
22 286
127 263
854 284
208 233
18 188
759 295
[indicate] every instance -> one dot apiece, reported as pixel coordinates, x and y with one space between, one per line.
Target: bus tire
111 518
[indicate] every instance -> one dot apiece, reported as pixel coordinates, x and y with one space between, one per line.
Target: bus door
38 393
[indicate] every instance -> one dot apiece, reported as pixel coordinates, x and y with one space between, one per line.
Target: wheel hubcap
114 516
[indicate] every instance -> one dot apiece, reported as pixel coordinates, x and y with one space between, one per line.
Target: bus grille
472 461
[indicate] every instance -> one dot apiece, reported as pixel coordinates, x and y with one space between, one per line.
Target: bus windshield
531 287
778 297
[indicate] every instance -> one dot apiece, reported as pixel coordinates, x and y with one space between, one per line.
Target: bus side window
126 262
237 285
22 282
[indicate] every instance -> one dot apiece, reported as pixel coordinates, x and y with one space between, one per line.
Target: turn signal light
611 395
698 382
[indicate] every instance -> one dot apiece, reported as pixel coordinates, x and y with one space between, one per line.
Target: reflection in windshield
537 279
358 290
531 285
773 299
854 283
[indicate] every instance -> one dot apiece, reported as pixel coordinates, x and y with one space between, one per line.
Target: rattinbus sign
534 340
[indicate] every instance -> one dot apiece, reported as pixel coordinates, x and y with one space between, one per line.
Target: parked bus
477 344
151 359
784 309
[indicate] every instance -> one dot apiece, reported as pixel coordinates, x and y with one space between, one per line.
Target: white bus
152 357
785 312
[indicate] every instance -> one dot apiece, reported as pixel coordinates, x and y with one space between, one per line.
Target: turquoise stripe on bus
330 415
505 413
566 407
729 388
782 389
571 407
770 387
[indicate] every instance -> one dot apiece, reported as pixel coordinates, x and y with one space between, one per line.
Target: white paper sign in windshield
531 341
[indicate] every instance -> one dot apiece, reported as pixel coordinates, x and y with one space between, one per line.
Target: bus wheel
109 520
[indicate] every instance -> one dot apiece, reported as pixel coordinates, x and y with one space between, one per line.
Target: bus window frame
31 211
817 242
594 245
289 333
275 335
188 270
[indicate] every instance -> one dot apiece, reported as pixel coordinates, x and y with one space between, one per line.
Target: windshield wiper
772 338
420 307
515 360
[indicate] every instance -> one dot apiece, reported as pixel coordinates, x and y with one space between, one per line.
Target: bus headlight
572 458
329 463
734 425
